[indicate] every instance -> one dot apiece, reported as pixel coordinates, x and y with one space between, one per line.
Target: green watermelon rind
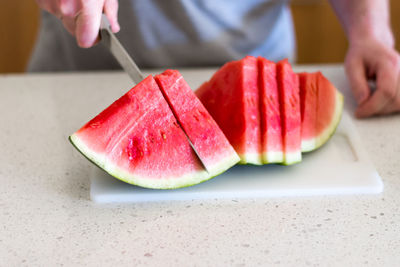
187 180
321 139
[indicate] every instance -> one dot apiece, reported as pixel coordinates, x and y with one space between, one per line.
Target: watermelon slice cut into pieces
212 147
231 97
138 140
289 95
321 109
270 115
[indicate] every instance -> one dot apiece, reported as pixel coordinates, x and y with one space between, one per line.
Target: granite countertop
47 219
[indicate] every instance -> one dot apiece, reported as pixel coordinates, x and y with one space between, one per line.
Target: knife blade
118 51
121 55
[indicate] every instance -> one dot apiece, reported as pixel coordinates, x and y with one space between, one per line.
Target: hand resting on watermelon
82 17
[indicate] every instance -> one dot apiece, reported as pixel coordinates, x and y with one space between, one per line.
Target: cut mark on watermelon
289 96
190 142
309 104
269 106
178 121
204 135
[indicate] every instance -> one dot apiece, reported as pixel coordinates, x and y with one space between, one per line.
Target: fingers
358 79
383 100
88 23
68 8
67 12
394 105
82 18
111 11
69 24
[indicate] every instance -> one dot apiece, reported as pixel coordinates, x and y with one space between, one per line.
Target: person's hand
378 61
82 17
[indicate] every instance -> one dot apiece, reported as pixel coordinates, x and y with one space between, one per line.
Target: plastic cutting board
339 167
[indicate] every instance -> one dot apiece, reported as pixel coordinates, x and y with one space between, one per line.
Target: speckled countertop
47 219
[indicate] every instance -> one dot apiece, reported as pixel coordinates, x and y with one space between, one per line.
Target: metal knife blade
109 40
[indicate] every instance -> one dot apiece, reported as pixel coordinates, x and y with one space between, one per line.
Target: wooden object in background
320 37
395 19
19 22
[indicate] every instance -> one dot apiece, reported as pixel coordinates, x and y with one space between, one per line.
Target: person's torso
176 33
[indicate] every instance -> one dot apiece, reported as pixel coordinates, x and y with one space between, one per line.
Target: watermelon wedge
212 147
231 97
138 140
309 101
322 106
289 94
270 116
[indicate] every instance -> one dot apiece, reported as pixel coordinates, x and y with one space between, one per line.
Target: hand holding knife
110 40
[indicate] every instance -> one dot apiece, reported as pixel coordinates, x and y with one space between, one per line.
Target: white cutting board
339 167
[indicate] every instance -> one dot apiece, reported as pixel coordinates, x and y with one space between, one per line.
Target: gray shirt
175 33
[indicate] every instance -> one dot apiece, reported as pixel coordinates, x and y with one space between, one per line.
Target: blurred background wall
320 38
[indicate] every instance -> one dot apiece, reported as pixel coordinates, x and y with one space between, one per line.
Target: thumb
358 79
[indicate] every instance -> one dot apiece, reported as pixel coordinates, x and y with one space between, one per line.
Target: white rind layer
224 164
251 158
308 145
96 158
292 157
185 180
273 157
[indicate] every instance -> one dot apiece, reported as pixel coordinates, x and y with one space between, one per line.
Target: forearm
365 19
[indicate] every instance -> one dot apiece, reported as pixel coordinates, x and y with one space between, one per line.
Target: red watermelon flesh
231 97
213 148
321 108
270 116
289 94
329 109
308 100
138 140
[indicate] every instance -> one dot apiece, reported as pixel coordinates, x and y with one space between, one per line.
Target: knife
111 42
118 51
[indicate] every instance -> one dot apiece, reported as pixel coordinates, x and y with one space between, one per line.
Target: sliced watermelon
289 94
138 140
211 145
231 97
270 118
308 100
321 109
329 110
